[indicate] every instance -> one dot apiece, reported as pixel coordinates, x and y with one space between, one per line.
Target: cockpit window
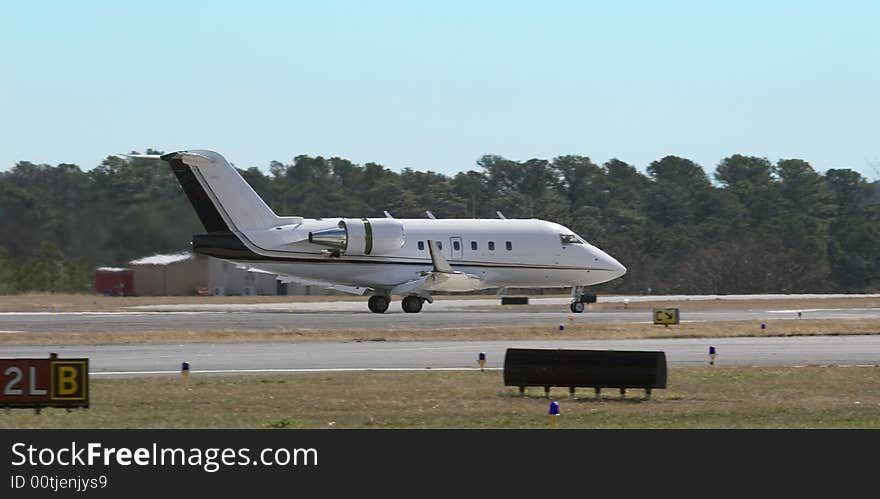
570 239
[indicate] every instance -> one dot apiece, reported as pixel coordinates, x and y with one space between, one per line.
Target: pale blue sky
436 85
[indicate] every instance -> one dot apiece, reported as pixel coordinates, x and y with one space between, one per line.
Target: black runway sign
44 382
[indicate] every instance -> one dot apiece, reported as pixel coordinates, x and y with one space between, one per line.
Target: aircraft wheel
577 307
412 304
378 304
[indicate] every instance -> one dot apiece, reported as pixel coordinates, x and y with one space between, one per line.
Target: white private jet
412 258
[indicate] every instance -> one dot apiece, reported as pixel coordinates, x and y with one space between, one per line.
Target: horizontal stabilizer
142 156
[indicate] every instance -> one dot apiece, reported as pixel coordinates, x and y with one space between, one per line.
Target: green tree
762 228
627 227
8 278
750 180
854 232
801 222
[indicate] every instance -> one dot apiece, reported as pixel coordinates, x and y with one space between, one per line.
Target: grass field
573 331
697 397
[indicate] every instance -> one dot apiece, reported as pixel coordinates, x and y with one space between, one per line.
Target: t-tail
223 200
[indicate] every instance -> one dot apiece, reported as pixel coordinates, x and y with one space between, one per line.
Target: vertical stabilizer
221 197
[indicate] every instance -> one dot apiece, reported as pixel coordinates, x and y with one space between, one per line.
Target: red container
111 281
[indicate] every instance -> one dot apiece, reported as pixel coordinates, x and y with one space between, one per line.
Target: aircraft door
456 247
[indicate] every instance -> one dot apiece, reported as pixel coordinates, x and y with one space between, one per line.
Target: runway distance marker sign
665 316
46 382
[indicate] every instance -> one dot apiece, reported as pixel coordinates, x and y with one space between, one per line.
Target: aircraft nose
609 263
619 269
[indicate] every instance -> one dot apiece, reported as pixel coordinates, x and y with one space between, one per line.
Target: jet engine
361 236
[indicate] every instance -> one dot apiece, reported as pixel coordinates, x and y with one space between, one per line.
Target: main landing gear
412 304
578 298
378 304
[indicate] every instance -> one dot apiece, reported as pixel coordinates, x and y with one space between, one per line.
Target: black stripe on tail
199 199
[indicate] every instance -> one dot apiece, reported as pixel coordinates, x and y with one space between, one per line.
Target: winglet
387 215
440 263
430 215
500 215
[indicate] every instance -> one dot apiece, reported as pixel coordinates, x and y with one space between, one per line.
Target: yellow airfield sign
665 316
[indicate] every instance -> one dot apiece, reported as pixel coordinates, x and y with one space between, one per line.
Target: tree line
754 226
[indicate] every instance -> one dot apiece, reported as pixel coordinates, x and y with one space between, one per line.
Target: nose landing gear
578 298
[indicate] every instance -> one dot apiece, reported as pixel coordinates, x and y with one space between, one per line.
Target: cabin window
491 245
474 245
509 245
456 246
421 246
570 239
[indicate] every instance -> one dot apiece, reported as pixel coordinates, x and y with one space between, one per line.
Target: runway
447 313
272 321
274 357
353 315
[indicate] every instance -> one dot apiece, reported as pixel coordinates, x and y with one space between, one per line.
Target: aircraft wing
354 290
252 269
442 278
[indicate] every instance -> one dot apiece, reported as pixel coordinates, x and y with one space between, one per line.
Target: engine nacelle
362 236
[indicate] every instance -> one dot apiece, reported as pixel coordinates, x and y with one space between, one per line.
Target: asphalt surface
353 315
261 357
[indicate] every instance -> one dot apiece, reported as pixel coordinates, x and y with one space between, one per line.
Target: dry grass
697 397
573 331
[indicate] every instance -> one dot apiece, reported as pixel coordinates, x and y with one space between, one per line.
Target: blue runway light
562 327
553 414
482 360
184 367
712 350
763 326
482 356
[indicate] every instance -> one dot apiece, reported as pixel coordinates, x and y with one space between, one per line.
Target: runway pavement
353 315
256 357
280 357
